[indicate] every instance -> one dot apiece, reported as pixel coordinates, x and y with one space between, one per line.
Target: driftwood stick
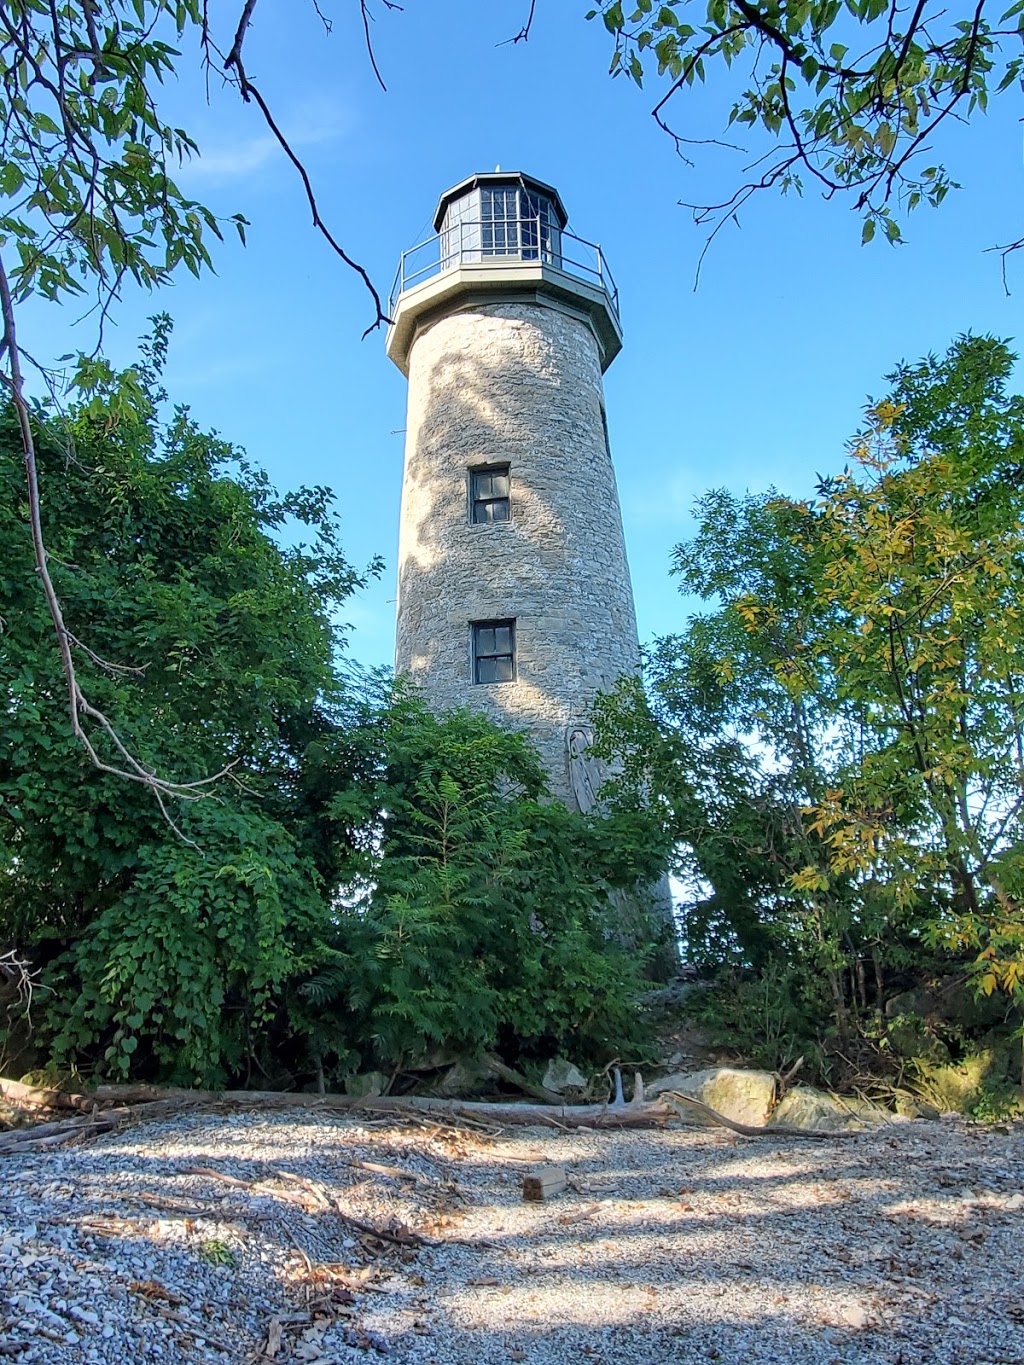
747 1129
61 1131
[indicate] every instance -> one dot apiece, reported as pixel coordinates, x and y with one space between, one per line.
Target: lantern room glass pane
460 231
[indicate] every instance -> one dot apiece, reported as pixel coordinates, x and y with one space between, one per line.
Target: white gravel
902 1245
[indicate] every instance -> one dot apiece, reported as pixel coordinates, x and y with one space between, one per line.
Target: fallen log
61 1131
643 1115
39 1097
114 1105
105 1097
58 1133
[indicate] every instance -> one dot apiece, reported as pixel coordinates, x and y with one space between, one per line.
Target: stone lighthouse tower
514 594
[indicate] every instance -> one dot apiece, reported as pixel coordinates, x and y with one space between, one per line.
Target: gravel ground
230 1238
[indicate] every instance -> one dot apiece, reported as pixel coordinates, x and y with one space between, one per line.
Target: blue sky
757 378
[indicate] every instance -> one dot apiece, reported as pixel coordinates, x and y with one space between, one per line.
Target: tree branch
249 92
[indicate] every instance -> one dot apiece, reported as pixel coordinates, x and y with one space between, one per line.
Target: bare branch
1004 252
365 12
105 664
249 91
16 972
235 55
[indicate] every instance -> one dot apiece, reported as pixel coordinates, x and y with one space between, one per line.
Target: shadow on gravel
682 1246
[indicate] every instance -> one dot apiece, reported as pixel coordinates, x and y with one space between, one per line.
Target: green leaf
613 17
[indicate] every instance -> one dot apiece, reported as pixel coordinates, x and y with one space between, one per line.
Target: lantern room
501 237
496 215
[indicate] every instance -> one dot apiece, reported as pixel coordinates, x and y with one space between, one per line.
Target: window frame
482 471
477 656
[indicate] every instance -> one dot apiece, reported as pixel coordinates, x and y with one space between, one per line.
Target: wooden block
545 1182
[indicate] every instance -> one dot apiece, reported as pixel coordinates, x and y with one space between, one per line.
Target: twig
523 35
198 1329
17 971
301 1250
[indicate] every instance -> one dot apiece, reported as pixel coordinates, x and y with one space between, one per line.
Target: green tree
837 742
368 880
924 569
736 734
841 95
89 201
488 912
163 547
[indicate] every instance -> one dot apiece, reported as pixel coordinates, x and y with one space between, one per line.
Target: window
499 212
536 226
516 223
494 651
489 493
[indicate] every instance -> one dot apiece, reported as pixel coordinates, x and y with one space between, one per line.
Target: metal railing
508 240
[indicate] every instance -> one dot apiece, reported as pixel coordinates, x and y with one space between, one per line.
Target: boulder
562 1075
367 1084
910 1106
743 1096
805 1108
468 1076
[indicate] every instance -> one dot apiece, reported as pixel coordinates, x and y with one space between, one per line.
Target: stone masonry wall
515 383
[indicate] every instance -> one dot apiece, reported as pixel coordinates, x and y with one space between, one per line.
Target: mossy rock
953 1087
820 1111
367 1084
909 1106
743 1096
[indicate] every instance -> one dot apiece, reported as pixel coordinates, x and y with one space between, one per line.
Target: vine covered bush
365 881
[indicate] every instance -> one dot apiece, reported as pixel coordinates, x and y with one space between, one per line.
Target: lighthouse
514 594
